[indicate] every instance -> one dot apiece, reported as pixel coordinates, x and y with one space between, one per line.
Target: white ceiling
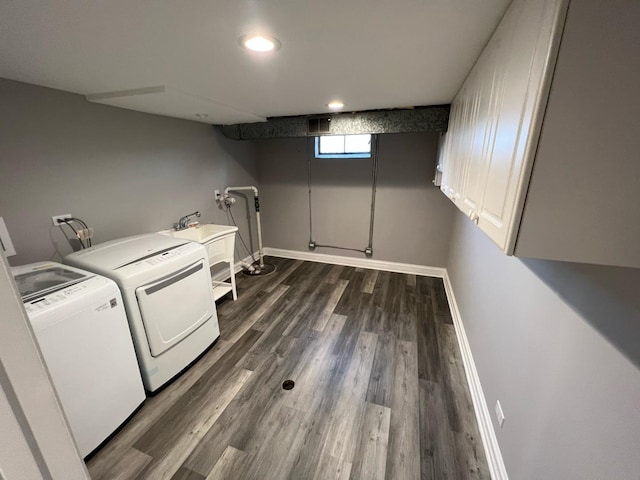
370 54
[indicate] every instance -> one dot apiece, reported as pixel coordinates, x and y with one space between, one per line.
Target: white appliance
166 286
81 327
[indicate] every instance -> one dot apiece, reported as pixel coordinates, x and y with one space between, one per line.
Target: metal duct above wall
418 119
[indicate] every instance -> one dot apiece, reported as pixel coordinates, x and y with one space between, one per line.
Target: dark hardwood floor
380 391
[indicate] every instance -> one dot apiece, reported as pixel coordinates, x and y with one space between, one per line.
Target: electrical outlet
56 219
499 414
216 194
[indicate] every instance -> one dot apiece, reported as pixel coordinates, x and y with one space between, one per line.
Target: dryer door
175 306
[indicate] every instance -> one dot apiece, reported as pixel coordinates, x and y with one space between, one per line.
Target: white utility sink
204 233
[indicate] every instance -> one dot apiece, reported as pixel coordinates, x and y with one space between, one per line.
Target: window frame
341 155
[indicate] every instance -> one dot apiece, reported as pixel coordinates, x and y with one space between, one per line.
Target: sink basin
204 233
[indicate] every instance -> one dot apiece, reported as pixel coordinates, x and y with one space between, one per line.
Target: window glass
343 146
357 143
332 144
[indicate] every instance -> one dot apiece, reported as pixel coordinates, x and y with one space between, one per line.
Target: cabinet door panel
481 83
511 80
521 84
447 157
453 161
465 140
470 105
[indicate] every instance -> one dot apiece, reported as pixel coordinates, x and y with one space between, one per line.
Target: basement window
343 146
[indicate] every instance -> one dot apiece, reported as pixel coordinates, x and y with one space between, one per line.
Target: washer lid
117 253
43 278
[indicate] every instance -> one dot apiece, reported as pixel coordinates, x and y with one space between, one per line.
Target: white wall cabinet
494 118
551 101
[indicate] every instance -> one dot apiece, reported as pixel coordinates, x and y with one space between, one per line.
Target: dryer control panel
159 264
165 256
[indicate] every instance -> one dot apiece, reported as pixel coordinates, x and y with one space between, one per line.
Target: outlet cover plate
55 218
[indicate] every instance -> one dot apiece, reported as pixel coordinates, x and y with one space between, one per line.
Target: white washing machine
166 286
81 327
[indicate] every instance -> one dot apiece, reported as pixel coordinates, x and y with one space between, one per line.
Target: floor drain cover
288 384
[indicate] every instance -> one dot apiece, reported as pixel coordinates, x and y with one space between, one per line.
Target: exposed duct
418 119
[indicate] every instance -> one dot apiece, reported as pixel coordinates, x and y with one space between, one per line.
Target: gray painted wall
121 171
413 219
557 344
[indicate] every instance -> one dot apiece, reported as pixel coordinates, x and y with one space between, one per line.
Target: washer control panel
54 298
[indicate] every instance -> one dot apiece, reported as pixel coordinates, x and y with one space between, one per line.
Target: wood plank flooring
380 389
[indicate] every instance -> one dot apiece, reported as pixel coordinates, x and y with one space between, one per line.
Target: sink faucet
183 223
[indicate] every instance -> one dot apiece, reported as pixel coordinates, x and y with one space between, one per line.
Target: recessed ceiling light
335 105
260 43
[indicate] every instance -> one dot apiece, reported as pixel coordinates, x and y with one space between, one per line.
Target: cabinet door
457 158
445 157
476 160
528 42
451 156
465 138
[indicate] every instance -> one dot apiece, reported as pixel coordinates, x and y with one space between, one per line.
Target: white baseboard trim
357 262
483 416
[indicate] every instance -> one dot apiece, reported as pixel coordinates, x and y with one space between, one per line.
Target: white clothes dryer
81 328
166 286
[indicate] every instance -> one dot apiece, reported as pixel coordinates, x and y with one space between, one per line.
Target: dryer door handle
176 278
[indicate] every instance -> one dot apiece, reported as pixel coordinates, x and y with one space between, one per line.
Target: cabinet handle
473 215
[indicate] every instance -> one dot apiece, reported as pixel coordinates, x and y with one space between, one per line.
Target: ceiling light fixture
260 43
335 105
